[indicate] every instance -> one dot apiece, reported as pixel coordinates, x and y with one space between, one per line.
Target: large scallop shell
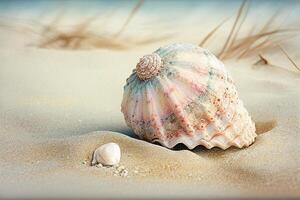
188 97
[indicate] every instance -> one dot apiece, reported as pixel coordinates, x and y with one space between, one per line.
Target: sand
58 106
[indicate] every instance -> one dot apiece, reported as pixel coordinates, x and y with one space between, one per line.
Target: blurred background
122 25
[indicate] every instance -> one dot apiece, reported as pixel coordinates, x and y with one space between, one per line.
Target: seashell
148 66
183 94
107 154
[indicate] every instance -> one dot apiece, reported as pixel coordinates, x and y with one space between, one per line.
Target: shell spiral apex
148 66
182 93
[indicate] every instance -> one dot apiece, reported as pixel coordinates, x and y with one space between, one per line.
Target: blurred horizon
122 24
154 7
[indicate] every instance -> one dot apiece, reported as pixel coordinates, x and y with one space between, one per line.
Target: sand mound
66 161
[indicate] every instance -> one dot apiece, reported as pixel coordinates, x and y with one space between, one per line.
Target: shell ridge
178 110
189 66
224 130
148 110
138 114
214 142
185 76
128 101
156 120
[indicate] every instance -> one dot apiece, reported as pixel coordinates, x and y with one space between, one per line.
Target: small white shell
107 154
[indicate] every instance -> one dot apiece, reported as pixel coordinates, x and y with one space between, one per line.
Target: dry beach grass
253 43
80 35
